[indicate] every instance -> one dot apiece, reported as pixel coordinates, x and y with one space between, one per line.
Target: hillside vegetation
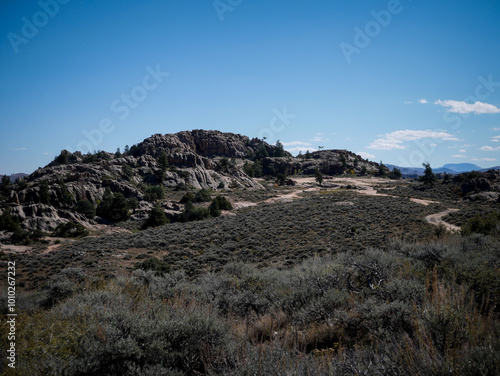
276 266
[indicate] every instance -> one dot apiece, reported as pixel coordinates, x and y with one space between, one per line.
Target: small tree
157 217
396 173
44 192
203 195
5 182
318 176
9 223
429 178
279 151
163 160
86 208
62 158
381 169
281 179
214 208
248 169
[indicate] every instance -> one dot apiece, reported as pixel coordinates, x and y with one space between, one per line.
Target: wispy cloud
461 146
459 156
490 148
46 153
18 149
293 143
395 140
318 139
366 155
423 101
461 107
462 151
408 102
495 129
483 159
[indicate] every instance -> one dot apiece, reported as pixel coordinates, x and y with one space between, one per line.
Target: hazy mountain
449 168
462 167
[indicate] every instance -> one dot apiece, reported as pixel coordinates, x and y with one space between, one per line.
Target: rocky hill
188 160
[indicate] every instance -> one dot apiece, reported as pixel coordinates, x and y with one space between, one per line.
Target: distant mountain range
450 168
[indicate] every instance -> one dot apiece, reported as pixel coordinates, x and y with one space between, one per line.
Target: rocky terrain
182 161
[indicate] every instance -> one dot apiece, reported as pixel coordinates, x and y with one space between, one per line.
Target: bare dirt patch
436 219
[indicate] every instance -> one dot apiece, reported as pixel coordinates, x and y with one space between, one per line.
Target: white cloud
394 140
18 149
461 107
490 148
496 137
46 153
461 146
495 129
495 140
320 134
298 149
462 151
366 155
459 156
318 139
483 159
423 101
293 143
407 102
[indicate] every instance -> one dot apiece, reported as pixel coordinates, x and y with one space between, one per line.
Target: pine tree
318 176
429 178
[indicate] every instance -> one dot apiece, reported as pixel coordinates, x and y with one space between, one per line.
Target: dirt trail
365 186
436 219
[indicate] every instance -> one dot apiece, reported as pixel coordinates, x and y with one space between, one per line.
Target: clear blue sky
338 74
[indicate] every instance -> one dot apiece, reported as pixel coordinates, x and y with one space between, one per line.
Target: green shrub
157 217
203 195
70 230
113 207
86 208
192 213
154 193
159 267
188 196
8 222
486 225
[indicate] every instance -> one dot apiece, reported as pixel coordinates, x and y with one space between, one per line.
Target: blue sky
399 81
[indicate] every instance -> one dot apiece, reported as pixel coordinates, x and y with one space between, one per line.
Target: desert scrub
118 330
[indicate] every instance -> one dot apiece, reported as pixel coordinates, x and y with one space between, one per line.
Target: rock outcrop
185 160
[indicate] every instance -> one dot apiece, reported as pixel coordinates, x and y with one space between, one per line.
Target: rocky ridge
194 160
